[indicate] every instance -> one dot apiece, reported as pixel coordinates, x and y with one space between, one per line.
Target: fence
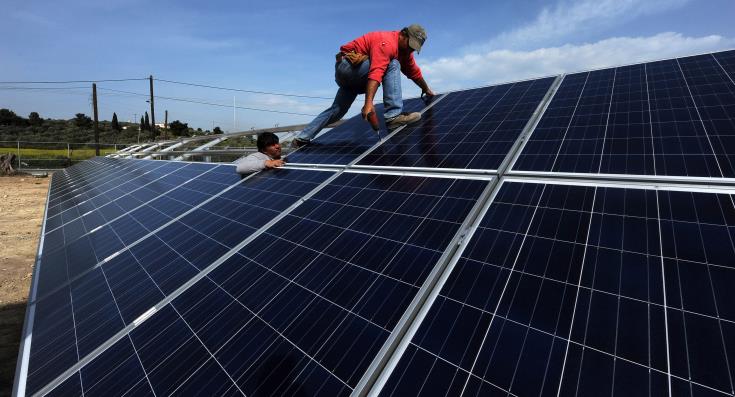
51 155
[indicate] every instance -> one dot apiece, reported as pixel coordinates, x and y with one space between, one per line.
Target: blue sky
288 47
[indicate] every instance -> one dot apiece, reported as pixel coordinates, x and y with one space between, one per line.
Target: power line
209 103
202 102
236 107
43 88
241 90
172 82
69 81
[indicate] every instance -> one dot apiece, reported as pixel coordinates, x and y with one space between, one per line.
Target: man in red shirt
362 65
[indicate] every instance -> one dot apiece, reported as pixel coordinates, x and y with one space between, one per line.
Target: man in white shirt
268 155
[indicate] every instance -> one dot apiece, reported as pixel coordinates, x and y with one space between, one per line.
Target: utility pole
96 126
153 114
234 120
165 125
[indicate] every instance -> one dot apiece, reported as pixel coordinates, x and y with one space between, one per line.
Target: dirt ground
22 200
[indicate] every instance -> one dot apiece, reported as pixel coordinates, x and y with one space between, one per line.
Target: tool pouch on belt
354 58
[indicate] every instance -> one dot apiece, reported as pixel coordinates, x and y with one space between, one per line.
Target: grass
76 154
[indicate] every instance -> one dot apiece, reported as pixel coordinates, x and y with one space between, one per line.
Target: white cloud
498 66
569 17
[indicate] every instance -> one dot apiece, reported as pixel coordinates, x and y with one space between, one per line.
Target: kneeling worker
361 66
267 156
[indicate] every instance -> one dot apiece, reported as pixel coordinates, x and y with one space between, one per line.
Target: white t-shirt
252 163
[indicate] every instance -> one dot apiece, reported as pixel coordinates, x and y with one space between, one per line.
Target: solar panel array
472 129
564 235
673 117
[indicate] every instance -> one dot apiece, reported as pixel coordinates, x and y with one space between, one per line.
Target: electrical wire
236 107
70 81
209 103
171 82
241 90
43 88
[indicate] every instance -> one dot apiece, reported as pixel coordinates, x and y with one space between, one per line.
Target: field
75 154
22 200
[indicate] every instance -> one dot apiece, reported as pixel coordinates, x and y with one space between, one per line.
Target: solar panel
157 278
304 306
726 59
580 290
85 198
345 143
714 95
84 299
78 215
80 244
672 118
473 129
77 183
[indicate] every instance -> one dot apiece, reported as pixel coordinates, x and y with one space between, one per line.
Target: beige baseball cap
416 36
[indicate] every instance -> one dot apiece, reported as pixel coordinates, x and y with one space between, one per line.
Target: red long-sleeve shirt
382 47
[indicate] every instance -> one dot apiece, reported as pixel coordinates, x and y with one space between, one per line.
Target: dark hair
266 139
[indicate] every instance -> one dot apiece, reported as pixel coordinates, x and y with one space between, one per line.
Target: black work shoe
297 143
402 119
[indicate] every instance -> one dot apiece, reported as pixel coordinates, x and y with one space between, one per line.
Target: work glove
355 58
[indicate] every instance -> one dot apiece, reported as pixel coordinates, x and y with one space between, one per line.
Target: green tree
115 125
217 130
82 121
8 117
147 122
142 124
34 119
178 128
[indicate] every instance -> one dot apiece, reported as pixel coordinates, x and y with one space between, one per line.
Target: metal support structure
200 148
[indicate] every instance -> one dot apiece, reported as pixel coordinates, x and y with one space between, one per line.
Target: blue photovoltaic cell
343 144
77 317
64 179
88 240
82 216
90 178
714 95
303 308
727 60
472 129
100 193
101 197
170 354
69 388
561 292
674 117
